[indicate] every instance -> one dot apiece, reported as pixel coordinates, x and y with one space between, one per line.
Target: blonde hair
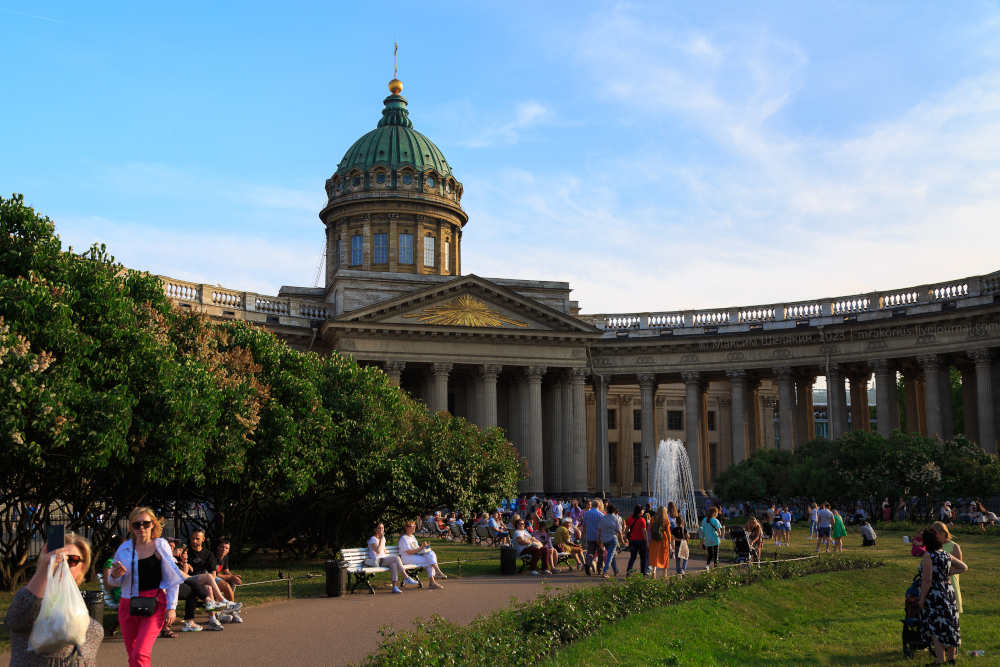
941 529
83 546
672 510
661 516
599 504
156 530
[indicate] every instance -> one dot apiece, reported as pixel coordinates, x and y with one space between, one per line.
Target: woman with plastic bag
49 600
145 569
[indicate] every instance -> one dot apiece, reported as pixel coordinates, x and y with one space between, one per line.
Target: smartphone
57 538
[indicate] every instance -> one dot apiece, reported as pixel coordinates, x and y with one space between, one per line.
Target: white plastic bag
63 619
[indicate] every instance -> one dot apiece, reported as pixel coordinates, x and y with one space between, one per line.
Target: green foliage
541 626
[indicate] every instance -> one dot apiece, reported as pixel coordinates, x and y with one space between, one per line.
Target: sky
657 157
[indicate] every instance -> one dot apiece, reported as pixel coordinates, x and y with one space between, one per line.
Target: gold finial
395 86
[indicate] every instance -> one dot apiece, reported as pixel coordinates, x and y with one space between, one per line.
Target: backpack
656 532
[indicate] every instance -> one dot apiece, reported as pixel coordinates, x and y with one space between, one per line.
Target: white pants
426 561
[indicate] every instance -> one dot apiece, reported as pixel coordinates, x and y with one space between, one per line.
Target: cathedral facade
587 398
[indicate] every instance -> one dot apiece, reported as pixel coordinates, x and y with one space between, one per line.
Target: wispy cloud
462 124
44 18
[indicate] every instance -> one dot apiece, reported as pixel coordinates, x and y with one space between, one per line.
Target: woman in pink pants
144 568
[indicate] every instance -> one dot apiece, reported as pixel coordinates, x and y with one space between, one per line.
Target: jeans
638 548
139 632
609 557
594 549
681 564
812 528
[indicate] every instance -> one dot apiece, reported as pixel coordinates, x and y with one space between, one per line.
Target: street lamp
647 475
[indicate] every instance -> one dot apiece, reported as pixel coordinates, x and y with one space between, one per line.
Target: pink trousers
139 632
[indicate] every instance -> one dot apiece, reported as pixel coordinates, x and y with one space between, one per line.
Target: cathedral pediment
467 302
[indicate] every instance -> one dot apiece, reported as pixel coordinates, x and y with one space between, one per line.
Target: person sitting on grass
563 541
525 544
868 535
413 553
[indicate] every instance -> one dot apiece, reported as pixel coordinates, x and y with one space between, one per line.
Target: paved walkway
334 632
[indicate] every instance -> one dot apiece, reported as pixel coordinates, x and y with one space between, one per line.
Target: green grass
266 567
842 618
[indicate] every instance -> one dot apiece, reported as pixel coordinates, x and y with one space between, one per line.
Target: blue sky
656 156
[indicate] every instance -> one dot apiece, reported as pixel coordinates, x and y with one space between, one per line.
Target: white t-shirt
824 518
374 553
407 542
519 534
812 514
557 509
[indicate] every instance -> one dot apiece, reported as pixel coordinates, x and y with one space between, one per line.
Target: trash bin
95 605
508 560
470 532
336 578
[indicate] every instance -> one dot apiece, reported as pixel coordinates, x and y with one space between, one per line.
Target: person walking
813 525
681 550
659 541
839 531
755 538
938 607
638 539
590 523
824 526
950 547
711 531
145 568
610 537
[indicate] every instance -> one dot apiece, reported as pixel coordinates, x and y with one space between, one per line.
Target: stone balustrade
243 305
877 305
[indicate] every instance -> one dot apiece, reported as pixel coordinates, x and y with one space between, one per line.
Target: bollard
459 566
289 587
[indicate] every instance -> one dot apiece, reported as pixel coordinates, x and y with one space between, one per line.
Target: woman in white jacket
412 553
144 568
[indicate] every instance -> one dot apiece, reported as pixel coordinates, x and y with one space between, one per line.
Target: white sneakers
395 589
410 581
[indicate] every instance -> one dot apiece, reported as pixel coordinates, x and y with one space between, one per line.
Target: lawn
475 560
843 618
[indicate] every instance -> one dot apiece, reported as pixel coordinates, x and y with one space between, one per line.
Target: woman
659 541
950 547
901 511
145 568
524 543
564 543
839 531
886 510
939 610
27 602
755 538
711 531
980 515
638 540
412 553
378 557
672 513
681 551
544 537
609 534
813 521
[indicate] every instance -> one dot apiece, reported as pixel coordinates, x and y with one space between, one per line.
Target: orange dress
659 550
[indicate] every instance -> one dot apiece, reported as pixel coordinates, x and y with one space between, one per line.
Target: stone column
920 385
473 385
970 403
805 420
647 392
912 399
786 407
767 439
754 435
692 425
394 369
393 242
931 364
984 398
487 395
947 418
438 398
555 460
366 244
567 434
860 418
738 394
885 392
600 385
579 459
836 401
533 443
706 468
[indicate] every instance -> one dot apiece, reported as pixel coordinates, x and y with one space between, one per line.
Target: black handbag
139 606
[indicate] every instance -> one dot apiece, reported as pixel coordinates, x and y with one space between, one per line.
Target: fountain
672 480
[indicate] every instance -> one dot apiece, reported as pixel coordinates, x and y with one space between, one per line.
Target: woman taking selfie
145 569
24 608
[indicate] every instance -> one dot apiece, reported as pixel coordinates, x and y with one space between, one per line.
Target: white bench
362 573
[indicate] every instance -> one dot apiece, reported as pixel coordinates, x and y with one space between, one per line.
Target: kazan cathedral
586 399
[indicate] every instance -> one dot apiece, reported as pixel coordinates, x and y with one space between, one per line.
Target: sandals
167 633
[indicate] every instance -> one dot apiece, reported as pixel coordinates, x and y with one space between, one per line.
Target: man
227 578
557 511
202 561
868 535
590 524
497 529
824 525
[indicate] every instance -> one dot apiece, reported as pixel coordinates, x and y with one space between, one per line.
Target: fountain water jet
673 482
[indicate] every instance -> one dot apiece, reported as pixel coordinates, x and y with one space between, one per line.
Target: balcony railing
231 301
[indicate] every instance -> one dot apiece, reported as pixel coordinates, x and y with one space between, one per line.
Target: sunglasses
73 560
136 525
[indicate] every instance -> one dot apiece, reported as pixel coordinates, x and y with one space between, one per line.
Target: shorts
824 532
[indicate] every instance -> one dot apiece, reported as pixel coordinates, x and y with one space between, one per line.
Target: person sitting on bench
413 553
868 535
377 557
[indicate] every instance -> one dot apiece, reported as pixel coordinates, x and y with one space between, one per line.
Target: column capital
578 374
859 376
600 382
737 376
836 369
784 373
441 370
490 372
982 356
394 368
535 373
880 365
646 381
930 361
693 377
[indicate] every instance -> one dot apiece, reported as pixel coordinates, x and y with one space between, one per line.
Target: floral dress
940 616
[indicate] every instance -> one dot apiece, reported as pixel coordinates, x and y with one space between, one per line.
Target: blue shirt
711 537
592 519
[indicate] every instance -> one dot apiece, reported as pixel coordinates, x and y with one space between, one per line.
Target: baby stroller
741 546
913 639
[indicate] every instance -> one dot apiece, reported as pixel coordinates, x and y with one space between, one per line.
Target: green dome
394 144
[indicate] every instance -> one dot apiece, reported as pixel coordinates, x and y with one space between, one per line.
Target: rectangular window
612 419
675 420
357 246
711 420
429 251
447 255
406 248
637 462
713 460
339 250
613 461
381 249
637 420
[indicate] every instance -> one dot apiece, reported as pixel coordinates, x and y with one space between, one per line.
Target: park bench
456 532
564 558
485 536
355 559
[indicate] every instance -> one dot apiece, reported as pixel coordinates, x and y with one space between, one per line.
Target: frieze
675 403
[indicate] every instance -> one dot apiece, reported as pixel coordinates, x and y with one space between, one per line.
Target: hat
567 520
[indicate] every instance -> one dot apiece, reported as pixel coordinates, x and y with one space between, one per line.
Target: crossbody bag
139 606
